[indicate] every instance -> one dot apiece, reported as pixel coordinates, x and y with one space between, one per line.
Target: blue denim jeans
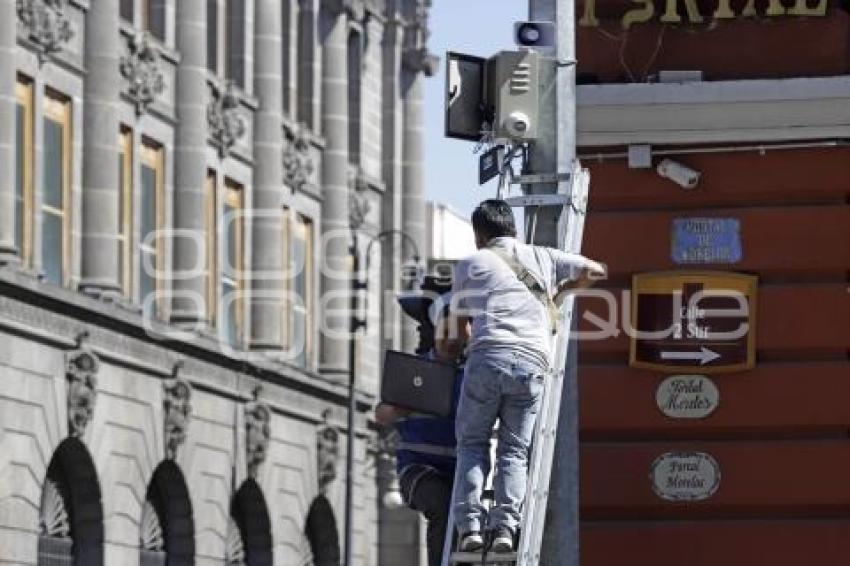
502 385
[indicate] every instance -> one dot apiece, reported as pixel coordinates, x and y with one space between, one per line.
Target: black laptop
417 384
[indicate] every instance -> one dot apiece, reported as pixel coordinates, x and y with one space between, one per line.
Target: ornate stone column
9 253
268 177
101 183
188 307
335 229
417 63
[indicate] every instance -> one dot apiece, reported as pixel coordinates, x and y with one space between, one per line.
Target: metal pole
356 285
554 153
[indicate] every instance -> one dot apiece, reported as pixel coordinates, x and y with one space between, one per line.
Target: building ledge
712 112
119 323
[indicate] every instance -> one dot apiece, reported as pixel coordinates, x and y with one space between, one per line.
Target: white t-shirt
505 315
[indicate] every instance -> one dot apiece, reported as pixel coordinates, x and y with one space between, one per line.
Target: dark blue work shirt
429 440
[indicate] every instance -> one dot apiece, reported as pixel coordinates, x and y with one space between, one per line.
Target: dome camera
680 174
518 124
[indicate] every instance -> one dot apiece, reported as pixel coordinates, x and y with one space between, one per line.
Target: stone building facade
179 185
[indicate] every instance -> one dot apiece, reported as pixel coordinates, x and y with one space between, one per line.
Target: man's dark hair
493 218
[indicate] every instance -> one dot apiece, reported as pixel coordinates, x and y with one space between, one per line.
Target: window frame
24 92
234 198
58 107
142 18
152 154
126 210
299 226
212 283
223 59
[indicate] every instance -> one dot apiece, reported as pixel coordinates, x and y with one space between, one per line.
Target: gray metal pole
356 323
554 152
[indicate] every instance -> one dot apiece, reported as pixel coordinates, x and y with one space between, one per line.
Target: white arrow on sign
704 356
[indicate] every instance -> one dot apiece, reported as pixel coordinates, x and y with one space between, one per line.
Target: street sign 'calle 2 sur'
699 321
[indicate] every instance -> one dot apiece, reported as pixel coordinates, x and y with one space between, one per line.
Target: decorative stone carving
140 67
327 452
53 520
257 432
81 367
225 123
177 408
420 60
47 25
298 166
358 199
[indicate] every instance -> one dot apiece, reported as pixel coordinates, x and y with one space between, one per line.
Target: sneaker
471 542
503 540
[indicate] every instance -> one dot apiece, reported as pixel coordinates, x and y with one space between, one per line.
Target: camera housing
513 94
680 174
534 34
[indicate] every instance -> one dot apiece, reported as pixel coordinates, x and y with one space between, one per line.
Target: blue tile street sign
706 241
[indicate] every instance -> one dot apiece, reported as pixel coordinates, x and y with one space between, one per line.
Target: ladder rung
538 200
474 558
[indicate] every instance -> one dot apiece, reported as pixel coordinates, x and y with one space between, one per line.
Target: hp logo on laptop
417 381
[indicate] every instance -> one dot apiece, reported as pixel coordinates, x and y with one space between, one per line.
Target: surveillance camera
680 174
518 124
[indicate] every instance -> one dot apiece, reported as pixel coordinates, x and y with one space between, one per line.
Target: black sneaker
503 540
471 542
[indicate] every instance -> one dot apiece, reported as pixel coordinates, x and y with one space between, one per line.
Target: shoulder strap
534 286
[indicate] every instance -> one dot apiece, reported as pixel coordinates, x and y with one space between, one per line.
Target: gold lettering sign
644 10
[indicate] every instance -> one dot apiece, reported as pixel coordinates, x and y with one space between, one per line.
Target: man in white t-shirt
505 291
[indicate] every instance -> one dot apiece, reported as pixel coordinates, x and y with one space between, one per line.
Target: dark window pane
354 86
299 281
236 41
299 332
229 312
148 204
147 281
127 10
232 258
53 163
212 35
121 192
156 18
305 35
121 227
51 248
19 176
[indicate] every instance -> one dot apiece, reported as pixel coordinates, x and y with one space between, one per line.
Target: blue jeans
508 386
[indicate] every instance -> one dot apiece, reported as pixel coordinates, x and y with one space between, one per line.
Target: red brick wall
781 432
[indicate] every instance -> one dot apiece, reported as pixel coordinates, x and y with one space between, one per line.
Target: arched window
249 535
322 533
71 522
168 526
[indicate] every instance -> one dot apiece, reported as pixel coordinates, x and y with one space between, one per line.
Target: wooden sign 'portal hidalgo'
701 321
644 11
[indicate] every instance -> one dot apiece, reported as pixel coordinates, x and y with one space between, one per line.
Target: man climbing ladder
507 292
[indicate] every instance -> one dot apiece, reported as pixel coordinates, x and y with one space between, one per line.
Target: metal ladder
570 234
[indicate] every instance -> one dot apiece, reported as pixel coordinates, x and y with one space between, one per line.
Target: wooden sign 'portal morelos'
702 321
